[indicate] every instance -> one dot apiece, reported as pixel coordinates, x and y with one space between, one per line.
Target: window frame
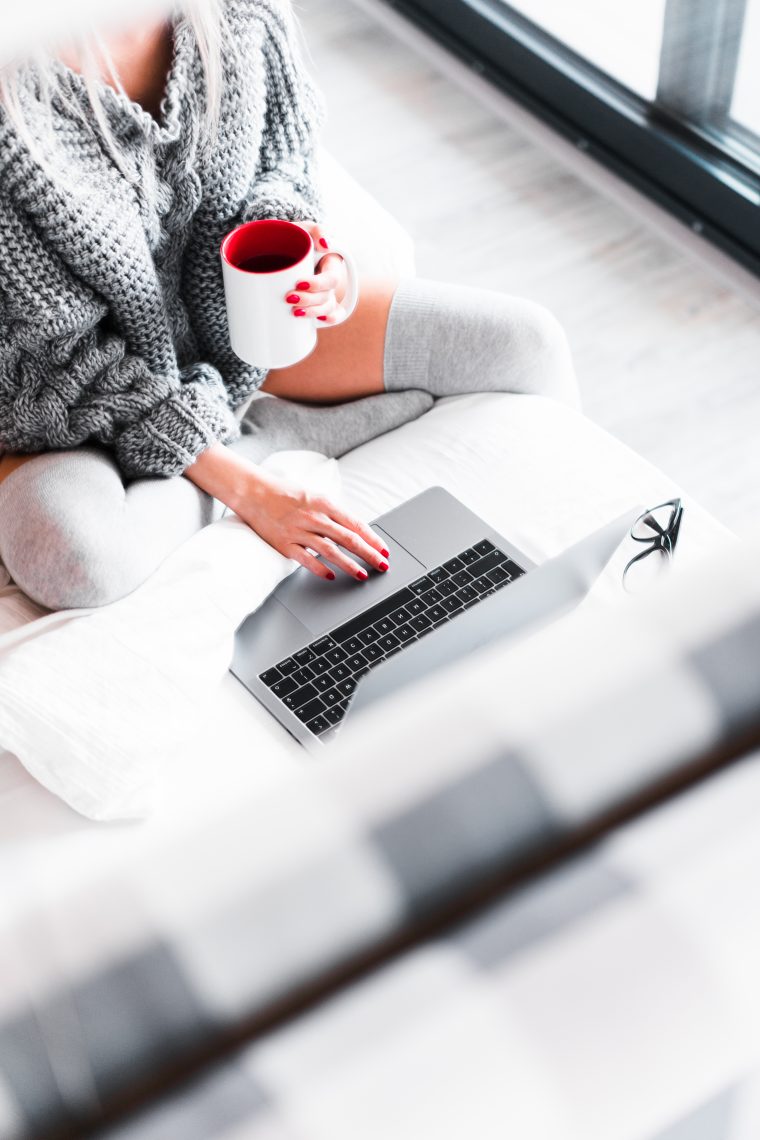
691 166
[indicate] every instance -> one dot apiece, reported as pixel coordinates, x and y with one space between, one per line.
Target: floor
666 340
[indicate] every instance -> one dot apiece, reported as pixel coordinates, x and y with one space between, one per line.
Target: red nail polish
383 566
292 298
323 243
362 575
331 577
299 312
386 553
304 285
321 318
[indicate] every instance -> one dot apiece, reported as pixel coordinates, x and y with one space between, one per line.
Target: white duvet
129 708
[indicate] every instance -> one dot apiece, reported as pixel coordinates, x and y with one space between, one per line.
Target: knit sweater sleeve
287 181
67 377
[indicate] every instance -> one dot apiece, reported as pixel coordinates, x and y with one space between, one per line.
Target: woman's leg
418 338
71 533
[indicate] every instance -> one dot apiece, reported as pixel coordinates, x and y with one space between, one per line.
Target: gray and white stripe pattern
471 784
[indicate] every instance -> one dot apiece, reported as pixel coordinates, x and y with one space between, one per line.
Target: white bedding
538 472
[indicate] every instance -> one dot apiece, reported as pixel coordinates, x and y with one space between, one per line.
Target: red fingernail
292 298
299 312
383 566
387 553
303 285
330 577
321 318
323 243
362 575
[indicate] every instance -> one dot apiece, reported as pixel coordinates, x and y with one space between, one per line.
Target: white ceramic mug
261 263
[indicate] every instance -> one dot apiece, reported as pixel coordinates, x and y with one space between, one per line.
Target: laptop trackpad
322 605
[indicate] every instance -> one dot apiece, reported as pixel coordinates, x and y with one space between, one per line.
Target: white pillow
91 700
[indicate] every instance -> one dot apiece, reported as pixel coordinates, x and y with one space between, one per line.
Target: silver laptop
318 652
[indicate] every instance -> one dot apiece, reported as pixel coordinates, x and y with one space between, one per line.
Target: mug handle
351 299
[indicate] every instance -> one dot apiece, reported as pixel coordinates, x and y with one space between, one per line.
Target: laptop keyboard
317 682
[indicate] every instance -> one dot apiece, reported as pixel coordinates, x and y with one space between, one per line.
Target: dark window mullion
699 58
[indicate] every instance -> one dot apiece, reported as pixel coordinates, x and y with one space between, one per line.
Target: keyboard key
474 602
445 589
421 585
388 643
452 604
367 636
347 687
404 632
441 621
372 615
453 566
336 656
439 574
321 646
309 711
481 585
484 547
339 673
437 613
467 594
385 625
356 662
463 578
483 565
301 676
431 597
300 697
353 645
373 653
304 656
287 666
421 623
361 673
335 714
416 606
320 666
513 569
401 615
469 556
271 677
498 575
393 652
332 697
284 687
319 725
324 683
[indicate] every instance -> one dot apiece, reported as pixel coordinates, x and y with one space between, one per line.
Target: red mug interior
266 247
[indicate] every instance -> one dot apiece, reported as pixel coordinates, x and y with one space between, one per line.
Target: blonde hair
206 18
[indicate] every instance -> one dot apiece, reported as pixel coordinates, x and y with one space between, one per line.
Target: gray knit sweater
112 316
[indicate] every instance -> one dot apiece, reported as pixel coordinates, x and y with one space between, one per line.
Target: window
666 92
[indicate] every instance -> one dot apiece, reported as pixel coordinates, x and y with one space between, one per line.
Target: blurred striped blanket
449 927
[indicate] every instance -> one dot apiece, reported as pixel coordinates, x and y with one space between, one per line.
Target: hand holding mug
276 300
326 291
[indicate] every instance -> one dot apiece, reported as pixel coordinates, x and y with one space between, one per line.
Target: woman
123 412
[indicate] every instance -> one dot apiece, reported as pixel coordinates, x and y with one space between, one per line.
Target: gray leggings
72 534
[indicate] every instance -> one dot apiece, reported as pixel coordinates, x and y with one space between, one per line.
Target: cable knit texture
112 318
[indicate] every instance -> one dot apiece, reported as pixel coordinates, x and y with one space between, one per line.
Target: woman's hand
321 296
295 522
300 524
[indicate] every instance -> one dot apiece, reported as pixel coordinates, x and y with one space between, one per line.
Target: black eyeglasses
658 528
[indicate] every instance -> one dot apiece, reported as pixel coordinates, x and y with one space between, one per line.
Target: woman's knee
537 357
451 339
60 537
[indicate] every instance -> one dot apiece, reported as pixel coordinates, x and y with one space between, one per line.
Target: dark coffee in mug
267 262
